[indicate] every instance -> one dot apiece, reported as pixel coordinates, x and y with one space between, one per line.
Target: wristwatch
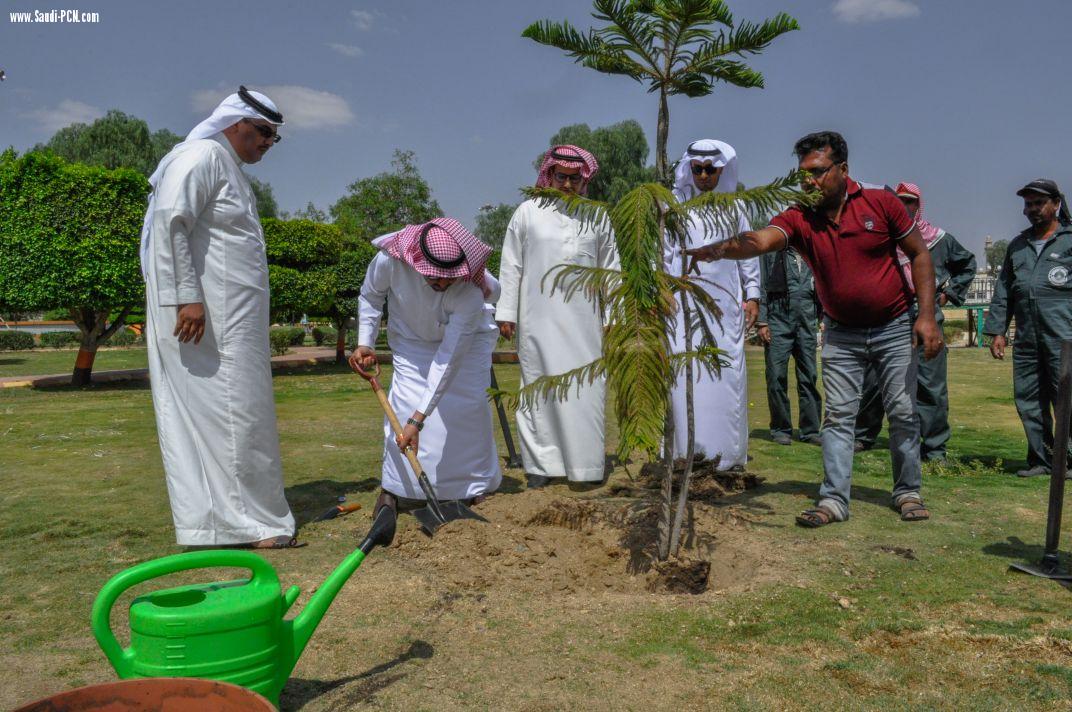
415 423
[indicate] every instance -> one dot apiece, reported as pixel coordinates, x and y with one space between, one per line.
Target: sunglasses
706 169
818 173
265 131
568 177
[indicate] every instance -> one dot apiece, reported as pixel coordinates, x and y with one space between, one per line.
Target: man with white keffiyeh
206 288
441 334
559 439
720 403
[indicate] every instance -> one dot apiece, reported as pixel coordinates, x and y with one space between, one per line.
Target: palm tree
672 46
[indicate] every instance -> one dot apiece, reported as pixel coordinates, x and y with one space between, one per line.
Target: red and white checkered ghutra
442 247
567 156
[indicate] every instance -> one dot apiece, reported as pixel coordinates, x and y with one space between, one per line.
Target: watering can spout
303 625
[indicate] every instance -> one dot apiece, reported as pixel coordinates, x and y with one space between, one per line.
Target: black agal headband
274 116
441 264
703 151
564 157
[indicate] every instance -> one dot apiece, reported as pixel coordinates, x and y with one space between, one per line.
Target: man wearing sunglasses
206 285
720 406
559 439
849 238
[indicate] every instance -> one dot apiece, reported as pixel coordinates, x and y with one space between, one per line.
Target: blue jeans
847 353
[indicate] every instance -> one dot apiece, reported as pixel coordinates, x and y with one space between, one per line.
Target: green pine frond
712 360
589 49
721 212
628 31
590 213
592 282
556 387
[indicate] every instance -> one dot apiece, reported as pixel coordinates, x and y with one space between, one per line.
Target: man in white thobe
720 403
441 334
206 286
555 335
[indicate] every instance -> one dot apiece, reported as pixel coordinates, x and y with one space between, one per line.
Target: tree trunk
690 415
95 329
83 363
340 340
662 164
667 495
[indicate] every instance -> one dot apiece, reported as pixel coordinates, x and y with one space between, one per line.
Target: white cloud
65 113
363 19
853 11
302 107
346 50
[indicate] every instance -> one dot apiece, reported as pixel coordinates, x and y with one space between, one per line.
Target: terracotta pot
155 694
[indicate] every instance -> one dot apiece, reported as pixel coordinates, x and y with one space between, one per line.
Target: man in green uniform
787 326
1035 288
954 268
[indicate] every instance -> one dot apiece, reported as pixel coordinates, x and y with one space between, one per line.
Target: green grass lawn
45 362
872 613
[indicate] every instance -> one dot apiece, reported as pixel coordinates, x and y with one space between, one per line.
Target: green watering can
232 631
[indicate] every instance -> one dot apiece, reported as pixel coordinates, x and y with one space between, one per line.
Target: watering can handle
122 658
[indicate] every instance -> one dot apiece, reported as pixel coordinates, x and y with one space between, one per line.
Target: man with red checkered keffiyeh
441 334
559 439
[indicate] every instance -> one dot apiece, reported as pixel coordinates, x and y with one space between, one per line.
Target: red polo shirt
857 278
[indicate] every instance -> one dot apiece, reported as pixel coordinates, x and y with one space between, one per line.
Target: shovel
513 460
436 513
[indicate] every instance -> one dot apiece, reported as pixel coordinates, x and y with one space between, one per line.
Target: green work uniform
1035 288
793 318
954 269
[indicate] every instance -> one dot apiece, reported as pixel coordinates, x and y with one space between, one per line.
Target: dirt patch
903 551
545 541
707 483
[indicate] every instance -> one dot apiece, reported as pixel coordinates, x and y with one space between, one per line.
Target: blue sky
968 98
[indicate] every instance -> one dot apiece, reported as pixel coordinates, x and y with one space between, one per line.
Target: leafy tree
301 261
995 256
116 140
163 141
266 205
673 47
622 151
309 212
69 236
387 201
491 223
349 275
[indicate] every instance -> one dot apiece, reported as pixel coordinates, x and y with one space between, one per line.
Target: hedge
279 340
60 339
15 340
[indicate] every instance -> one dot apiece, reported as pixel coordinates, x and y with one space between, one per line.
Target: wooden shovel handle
395 425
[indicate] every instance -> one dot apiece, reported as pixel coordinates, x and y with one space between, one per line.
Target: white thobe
215 413
441 343
720 403
558 438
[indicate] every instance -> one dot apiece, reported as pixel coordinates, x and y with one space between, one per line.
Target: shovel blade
1042 570
451 510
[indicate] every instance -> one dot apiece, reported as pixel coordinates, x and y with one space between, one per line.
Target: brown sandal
283 541
815 518
913 510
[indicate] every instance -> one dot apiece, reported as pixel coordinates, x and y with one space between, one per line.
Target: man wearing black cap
1035 288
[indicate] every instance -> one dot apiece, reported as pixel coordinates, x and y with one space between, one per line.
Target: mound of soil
550 540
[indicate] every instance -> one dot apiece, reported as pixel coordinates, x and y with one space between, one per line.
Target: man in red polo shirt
850 239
